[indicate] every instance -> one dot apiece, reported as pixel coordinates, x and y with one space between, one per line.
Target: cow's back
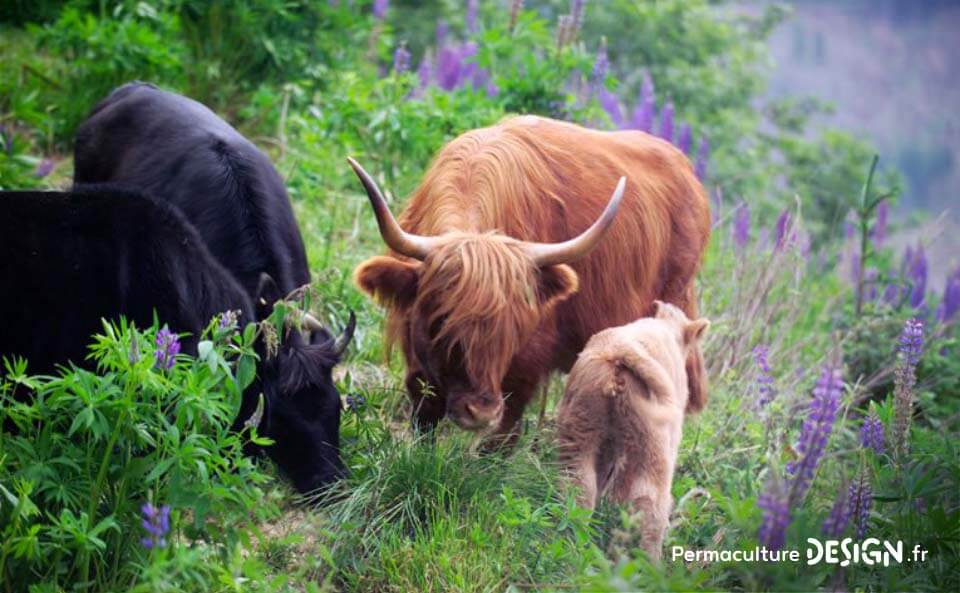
541 180
69 259
178 150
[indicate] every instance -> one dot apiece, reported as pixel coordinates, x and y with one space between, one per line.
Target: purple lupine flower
424 72
950 303
775 504
917 272
228 320
470 20
467 52
871 433
879 231
44 168
449 68
646 107
564 30
685 139
492 89
156 522
860 496
911 342
168 346
442 31
611 105
904 379
783 228
600 65
870 283
764 378
891 294
401 59
576 13
839 516
741 226
666 122
815 431
703 158
380 8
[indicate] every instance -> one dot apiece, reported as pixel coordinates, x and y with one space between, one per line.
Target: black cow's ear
267 294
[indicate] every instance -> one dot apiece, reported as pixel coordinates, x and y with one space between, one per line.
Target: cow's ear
556 284
388 280
694 331
268 293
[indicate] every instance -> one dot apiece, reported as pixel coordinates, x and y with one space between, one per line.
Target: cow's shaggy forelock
480 290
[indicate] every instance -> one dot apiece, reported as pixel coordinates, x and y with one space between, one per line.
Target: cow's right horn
404 243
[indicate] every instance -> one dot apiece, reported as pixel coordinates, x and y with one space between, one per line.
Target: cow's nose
478 411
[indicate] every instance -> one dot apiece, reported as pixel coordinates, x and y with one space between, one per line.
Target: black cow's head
302 405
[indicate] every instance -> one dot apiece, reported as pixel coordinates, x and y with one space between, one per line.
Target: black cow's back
69 259
177 149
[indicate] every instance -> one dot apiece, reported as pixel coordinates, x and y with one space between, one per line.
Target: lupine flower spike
871 433
156 522
470 22
401 59
741 226
168 346
600 65
775 504
860 496
905 378
703 159
815 432
666 122
765 389
836 522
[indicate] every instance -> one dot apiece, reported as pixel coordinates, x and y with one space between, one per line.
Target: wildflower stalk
905 378
865 212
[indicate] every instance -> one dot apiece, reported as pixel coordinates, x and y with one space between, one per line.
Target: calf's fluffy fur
621 417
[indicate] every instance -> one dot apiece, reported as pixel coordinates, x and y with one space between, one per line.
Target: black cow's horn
546 254
343 340
404 243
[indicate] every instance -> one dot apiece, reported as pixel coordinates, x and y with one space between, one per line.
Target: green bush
82 451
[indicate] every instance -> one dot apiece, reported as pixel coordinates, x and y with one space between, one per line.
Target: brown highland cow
620 421
507 259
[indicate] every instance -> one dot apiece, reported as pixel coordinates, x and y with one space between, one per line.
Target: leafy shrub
100 53
83 451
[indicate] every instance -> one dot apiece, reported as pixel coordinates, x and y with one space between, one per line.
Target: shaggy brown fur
477 320
620 421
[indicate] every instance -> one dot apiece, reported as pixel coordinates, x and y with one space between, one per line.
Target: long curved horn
343 340
396 238
548 254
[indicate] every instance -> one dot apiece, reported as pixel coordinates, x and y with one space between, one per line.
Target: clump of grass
430 514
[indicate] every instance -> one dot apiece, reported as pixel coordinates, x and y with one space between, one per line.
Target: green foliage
102 53
82 451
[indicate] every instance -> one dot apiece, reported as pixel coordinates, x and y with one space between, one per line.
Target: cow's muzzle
475 411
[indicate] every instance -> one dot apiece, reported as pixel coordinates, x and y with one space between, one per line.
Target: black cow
69 259
178 150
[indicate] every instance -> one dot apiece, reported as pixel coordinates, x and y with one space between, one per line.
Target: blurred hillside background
890 71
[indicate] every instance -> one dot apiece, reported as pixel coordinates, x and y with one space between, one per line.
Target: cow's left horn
548 254
396 238
343 340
